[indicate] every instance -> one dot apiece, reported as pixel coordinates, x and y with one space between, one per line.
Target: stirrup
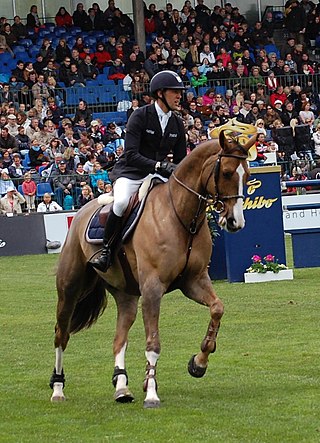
103 262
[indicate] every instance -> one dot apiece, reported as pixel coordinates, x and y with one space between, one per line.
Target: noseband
219 199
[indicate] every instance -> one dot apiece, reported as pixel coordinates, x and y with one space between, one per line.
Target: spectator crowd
231 69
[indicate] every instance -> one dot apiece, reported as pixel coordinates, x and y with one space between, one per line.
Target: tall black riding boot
112 233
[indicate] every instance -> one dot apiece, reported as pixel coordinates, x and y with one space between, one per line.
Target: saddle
95 228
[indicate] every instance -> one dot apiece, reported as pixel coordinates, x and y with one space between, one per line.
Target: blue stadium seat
19 49
106 70
106 97
272 48
72 96
26 161
20 189
50 26
25 42
60 31
5 57
101 78
43 32
75 30
90 40
220 90
42 188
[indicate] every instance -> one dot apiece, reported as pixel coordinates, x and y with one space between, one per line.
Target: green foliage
262 384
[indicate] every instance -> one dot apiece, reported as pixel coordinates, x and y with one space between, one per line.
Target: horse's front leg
151 298
127 310
201 291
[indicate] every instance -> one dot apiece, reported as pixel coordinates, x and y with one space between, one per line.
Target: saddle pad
95 231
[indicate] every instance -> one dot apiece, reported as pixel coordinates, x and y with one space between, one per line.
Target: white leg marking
120 362
238 207
59 360
152 395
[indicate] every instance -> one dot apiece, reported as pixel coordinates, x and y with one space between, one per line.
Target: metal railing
106 97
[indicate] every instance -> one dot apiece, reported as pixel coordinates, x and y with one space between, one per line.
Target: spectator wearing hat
253 115
279 94
11 202
95 132
246 108
278 107
12 125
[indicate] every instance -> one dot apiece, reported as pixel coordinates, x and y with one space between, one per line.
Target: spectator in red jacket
102 56
63 18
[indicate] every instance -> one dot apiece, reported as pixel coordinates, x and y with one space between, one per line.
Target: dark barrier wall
22 235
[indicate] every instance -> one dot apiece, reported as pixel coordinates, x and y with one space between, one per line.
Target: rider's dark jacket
145 145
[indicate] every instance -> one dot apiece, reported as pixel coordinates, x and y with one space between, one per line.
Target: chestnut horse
169 249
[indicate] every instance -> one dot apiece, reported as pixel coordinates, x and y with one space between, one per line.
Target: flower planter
256 277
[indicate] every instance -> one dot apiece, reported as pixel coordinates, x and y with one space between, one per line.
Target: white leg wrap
120 362
152 395
58 394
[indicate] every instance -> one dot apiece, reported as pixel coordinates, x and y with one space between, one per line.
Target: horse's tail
89 307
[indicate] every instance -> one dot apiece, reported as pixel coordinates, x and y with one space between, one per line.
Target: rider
152 132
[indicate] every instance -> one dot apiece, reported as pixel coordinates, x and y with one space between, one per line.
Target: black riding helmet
165 80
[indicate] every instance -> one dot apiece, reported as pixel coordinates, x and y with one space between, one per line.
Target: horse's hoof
57 398
194 370
123 396
151 404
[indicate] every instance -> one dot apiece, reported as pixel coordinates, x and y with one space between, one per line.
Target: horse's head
230 175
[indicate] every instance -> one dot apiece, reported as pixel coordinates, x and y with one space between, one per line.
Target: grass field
262 385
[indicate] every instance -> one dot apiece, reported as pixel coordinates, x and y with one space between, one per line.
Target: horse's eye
227 174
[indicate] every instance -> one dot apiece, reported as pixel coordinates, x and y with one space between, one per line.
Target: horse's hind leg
71 282
127 310
202 292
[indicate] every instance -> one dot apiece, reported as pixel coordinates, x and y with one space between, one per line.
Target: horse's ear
250 142
222 139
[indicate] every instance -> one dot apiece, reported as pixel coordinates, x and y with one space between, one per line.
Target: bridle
205 200
218 202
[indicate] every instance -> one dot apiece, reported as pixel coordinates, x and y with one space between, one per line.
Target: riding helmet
165 80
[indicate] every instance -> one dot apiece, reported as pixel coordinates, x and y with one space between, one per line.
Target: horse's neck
192 172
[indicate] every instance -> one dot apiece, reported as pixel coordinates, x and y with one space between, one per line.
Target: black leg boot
112 232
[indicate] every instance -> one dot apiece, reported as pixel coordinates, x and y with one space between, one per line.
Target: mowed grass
262 384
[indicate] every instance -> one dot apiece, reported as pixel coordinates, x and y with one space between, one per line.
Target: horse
175 256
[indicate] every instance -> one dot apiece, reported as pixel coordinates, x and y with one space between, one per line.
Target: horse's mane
199 154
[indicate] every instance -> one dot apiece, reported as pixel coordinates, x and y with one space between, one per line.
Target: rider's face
173 97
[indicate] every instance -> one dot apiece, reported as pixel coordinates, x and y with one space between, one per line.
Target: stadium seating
43 188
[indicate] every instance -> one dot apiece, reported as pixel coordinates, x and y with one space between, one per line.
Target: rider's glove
165 168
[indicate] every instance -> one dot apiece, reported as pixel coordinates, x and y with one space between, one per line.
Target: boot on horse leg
112 233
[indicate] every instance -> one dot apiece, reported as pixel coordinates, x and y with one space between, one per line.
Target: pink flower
256 259
269 257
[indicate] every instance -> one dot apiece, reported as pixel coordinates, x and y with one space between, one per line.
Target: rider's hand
165 168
